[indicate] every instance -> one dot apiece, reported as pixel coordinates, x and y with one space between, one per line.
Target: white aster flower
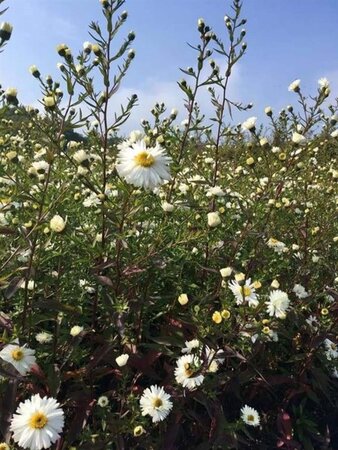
134 136
156 403
44 337
103 401
190 346
249 124
214 358
276 245
298 138
331 349
81 157
142 166
37 423
246 293
76 330
187 371
250 416
278 304
40 166
312 322
21 357
215 191
300 291
167 207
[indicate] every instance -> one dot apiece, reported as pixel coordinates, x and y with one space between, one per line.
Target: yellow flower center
250 418
188 370
4 447
246 291
17 354
38 420
157 402
144 159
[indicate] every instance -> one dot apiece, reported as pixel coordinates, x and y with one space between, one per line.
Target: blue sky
287 39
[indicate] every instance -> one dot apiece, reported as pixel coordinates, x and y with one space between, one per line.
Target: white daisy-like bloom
103 401
75 330
331 349
278 304
276 245
81 157
37 423
21 357
215 191
298 138
300 291
245 293
43 337
40 166
191 345
312 321
250 416
156 403
142 166
187 371
249 124
135 135
167 207
214 358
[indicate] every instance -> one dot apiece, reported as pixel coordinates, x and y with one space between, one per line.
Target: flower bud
183 299
138 430
213 219
34 71
122 360
217 317
200 25
5 31
131 54
96 49
131 36
49 101
294 86
57 224
124 15
11 95
226 272
87 47
268 111
167 207
61 49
